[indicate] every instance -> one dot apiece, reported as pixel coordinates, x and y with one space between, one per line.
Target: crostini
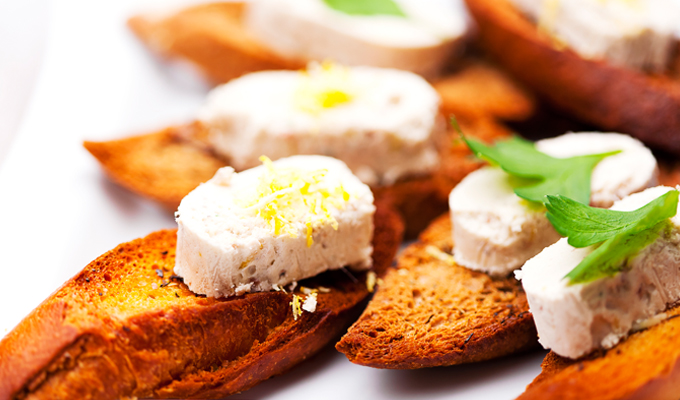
416 321
128 325
587 70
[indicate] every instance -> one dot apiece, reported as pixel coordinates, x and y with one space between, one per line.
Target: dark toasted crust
161 166
612 98
119 329
212 37
644 366
165 166
430 312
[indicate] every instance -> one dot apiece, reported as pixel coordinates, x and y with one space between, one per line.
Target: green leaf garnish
547 175
622 234
366 7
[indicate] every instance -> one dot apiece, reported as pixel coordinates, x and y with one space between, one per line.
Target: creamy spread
573 320
422 41
638 34
495 231
383 123
273 225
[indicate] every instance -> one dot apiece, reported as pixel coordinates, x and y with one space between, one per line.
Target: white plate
59 211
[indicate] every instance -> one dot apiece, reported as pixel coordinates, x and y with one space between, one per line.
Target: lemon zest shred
439 255
371 280
323 86
297 307
284 196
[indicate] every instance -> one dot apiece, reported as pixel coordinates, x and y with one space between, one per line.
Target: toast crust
430 312
124 326
615 99
211 37
162 166
644 366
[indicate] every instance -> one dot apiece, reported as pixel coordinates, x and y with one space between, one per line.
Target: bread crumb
402 271
310 303
307 290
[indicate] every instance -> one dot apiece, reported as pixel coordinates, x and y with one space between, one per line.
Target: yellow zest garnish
297 307
286 196
371 280
439 255
322 87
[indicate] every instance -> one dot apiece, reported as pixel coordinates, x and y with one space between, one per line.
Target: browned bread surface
430 312
160 166
165 166
212 37
125 326
612 98
481 90
644 366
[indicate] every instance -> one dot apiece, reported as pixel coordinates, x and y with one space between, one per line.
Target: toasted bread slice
610 97
165 166
125 326
479 90
212 37
644 366
430 312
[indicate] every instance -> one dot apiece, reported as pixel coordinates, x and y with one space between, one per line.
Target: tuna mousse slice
617 271
273 225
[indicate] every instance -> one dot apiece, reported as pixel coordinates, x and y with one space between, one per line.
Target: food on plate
273 225
593 85
127 326
383 123
486 315
637 34
226 40
496 230
589 297
414 35
429 312
617 271
389 144
644 366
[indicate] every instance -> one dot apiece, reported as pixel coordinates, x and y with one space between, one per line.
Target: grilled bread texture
125 326
644 366
431 312
212 38
613 98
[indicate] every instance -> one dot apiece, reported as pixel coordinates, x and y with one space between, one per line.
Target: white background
70 71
